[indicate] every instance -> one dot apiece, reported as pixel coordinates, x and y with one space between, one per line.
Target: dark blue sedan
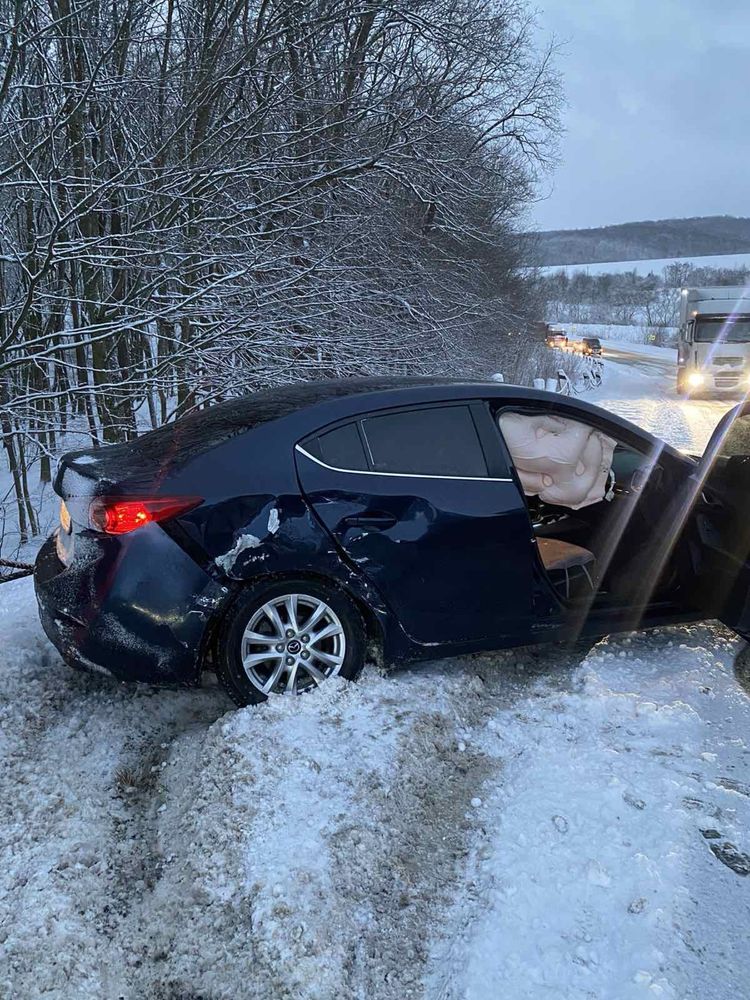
281 538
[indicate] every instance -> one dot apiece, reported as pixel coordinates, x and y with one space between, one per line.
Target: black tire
229 666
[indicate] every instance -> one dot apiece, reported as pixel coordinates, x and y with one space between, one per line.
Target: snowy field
731 260
567 823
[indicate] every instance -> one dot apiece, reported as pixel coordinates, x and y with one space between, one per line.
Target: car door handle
371 519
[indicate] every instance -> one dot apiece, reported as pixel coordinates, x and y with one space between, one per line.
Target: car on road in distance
591 346
281 538
557 340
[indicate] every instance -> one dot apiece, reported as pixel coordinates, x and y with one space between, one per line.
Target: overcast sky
658 115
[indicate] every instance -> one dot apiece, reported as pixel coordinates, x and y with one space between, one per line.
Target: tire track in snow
424 821
411 853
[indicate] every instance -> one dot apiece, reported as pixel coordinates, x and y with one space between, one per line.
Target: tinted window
342 448
437 441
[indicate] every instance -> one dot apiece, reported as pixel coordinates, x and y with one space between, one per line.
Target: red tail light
119 515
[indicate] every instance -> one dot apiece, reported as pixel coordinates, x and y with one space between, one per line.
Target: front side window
435 441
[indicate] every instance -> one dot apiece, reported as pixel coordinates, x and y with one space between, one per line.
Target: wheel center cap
294 646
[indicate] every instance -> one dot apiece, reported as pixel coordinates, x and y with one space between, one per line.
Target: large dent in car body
283 536
115 614
272 534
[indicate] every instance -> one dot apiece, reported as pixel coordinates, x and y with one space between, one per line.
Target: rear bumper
137 608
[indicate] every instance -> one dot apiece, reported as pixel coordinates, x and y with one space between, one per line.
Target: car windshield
721 330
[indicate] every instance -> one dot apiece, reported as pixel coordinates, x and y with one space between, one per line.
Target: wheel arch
375 625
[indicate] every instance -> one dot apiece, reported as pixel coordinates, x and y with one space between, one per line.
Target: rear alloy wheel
289 638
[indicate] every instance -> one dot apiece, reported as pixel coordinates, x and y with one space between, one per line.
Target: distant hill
713 234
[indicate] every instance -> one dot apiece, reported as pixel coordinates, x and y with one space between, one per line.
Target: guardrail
590 378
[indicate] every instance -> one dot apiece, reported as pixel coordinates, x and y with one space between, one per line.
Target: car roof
171 445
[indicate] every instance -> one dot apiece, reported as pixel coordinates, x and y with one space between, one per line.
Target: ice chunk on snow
243 543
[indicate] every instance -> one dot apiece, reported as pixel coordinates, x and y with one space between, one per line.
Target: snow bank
160 847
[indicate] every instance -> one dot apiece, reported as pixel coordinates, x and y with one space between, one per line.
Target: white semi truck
713 349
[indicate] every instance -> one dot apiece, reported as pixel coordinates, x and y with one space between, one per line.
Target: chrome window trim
397 475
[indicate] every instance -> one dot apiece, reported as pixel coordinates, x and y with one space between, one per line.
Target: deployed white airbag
559 460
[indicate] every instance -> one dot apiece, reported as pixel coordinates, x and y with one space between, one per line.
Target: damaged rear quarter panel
247 536
253 520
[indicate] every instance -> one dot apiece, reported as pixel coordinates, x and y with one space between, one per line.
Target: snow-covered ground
638 351
595 875
731 260
552 822
640 385
629 333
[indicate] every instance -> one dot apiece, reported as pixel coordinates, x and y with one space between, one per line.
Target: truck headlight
695 379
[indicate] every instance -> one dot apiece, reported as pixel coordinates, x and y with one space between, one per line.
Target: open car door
719 525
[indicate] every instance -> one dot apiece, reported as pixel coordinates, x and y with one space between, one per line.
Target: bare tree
202 197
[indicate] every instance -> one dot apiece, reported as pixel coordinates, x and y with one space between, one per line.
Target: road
639 384
650 364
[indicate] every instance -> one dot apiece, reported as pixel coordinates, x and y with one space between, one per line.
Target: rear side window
437 441
341 448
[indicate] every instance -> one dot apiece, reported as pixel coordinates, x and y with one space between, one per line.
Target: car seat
557 554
